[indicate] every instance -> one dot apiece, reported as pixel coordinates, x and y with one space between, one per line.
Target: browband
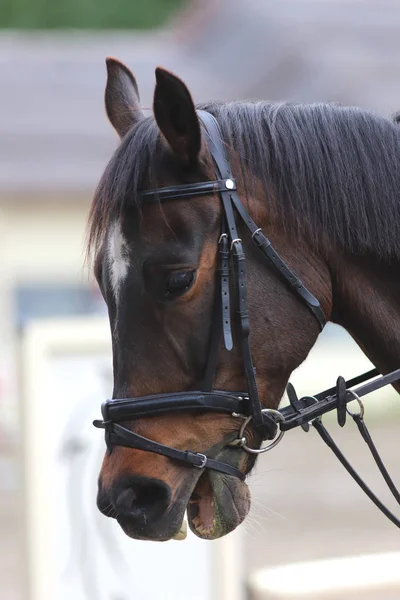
177 192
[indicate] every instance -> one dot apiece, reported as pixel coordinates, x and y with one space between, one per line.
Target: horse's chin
218 504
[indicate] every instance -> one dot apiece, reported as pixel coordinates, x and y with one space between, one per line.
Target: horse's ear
121 97
176 116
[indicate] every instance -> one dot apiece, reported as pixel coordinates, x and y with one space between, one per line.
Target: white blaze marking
117 258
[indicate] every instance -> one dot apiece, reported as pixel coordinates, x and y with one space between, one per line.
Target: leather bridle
244 405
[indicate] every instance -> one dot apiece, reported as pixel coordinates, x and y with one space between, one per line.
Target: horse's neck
367 304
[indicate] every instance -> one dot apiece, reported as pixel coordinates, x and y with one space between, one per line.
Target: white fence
73 551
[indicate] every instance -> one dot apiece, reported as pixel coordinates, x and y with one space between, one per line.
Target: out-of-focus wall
44 240
41 249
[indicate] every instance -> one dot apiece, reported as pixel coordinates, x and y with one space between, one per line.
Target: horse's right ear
121 97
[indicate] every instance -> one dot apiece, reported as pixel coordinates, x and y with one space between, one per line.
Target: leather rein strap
246 405
310 409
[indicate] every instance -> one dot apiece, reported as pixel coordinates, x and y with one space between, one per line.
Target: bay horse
322 181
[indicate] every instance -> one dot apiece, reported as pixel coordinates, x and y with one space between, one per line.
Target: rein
268 423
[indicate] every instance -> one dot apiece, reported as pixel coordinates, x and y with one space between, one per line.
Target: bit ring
274 442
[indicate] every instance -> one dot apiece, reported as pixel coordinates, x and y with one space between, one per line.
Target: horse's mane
334 170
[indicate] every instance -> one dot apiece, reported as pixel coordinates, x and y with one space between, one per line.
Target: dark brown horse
323 182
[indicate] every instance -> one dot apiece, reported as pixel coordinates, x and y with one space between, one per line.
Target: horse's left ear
176 116
121 97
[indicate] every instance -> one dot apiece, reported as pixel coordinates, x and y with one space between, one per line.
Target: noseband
242 405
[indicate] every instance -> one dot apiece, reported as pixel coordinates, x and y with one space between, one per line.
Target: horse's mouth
215 504
218 504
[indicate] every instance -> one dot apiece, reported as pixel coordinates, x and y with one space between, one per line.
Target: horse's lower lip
200 508
226 504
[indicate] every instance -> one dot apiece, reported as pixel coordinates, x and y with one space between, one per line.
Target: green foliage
86 14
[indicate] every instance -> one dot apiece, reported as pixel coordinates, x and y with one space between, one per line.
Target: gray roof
54 137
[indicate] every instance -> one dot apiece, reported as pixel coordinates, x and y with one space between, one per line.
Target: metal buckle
255 232
203 462
235 241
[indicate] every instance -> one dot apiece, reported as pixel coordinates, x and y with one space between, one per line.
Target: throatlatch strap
265 246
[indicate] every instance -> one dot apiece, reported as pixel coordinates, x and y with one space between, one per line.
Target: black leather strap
362 428
216 145
225 303
325 436
377 384
178 192
341 393
127 409
265 246
349 383
338 397
120 436
221 316
308 408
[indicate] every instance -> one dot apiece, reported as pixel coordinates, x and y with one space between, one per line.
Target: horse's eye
178 283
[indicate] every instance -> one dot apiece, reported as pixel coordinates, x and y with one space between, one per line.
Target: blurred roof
53 132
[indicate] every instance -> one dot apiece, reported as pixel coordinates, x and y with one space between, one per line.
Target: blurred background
54 144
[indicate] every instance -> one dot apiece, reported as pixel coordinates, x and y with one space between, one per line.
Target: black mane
333 169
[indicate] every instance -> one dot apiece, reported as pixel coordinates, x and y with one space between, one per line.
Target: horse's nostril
126 499
141 498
